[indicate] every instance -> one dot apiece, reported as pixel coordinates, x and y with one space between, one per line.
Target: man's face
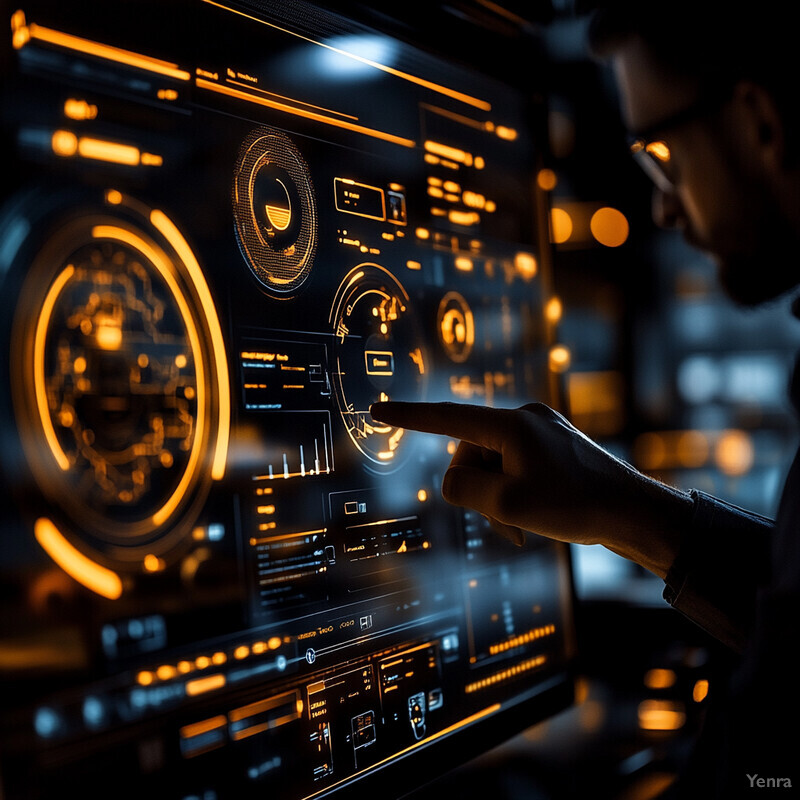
722 198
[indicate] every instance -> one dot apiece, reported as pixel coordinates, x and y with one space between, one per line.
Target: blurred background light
609 226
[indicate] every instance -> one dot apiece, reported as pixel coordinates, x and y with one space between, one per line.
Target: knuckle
541 410
540 416
536 407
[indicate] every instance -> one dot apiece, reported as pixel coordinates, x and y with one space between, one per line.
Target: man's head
706 92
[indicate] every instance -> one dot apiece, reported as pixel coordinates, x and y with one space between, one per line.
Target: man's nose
668 211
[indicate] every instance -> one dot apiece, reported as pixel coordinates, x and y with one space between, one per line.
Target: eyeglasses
654 158
653 154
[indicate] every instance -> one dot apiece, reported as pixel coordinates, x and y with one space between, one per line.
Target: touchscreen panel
229 229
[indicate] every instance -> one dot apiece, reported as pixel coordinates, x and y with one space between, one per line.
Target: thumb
475 488
514 534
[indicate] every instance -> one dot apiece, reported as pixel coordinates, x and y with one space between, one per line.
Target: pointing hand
530 469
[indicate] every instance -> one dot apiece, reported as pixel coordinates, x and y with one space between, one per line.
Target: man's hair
717 43
708 39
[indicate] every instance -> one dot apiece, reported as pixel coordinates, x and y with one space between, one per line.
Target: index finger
485 427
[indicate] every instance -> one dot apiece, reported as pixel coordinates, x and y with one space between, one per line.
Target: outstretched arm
529 469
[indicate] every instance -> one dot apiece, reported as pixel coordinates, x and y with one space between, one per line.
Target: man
705 90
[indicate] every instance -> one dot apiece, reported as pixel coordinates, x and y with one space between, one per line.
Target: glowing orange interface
228 230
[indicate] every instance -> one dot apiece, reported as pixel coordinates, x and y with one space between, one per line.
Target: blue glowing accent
355 57
46 722
93 712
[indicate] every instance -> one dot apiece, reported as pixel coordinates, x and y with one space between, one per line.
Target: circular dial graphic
456 326
120 404
378 355
275 211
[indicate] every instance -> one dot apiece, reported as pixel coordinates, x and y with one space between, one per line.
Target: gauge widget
379 354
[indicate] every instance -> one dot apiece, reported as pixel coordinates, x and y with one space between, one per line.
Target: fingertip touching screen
227 229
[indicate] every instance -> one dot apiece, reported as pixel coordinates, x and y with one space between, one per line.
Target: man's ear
761 127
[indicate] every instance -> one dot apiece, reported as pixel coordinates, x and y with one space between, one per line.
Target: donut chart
455 324
275 211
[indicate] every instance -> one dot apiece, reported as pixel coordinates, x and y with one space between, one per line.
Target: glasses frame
640 142
651 165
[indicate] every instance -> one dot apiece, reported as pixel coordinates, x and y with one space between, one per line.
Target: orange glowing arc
39 380
165 225
100 580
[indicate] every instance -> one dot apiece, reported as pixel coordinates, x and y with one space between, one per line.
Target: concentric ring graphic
275 211
122 403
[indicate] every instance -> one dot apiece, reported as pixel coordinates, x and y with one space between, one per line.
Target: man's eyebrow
631 134
705 101
659 128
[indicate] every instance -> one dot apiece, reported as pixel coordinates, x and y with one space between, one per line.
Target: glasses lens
654 159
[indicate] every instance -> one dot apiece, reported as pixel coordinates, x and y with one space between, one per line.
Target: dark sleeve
723 560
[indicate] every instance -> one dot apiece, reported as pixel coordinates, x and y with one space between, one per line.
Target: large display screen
227 230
